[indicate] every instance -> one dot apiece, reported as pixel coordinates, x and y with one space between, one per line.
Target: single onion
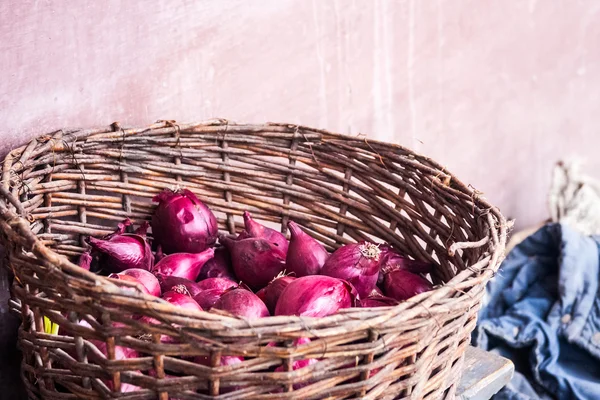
357 263
183 265
255 261
182 223
305 256
217 267
120 251
179 285
85 260
315 296
217 283
400 284
271 293
145 278
256 230
391 259
242 303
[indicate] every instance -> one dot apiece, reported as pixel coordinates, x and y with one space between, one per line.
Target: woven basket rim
21 225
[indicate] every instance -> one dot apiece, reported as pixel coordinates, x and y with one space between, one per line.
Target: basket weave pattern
65 186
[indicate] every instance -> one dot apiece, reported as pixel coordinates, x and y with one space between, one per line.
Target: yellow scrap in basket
50 327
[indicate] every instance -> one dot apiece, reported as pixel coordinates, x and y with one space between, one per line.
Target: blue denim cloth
544 314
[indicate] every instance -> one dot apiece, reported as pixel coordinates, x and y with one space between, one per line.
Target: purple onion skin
273 291
145 278
167 283
217 283
305 256
357 263
255 261
85 260
128 278
315 296
377 301
218 267
391 259
242 303
225 361
181 300
402 285
182 223
120 251
256 230
183 265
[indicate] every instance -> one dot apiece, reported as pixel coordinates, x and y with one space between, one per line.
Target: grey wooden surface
484 374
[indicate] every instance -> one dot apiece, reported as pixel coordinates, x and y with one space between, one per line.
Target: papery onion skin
181 223
120 251
377 301
357 263
402 285
217 283
167 283
218 267
315 296
183 265
257 230
273 291
305 256
255 261
145 278
242 303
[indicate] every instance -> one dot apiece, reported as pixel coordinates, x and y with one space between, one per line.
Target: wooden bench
484 374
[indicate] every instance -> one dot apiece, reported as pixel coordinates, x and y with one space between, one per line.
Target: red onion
256 230
145 278
120 251
218 267
273 290
181 300
391 259
242 303
183 265
305 256
401 284
358 263
179 285
217 283
182 223
315 296
255 261
376 292
85 260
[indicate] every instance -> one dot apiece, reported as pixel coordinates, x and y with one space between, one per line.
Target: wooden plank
484 374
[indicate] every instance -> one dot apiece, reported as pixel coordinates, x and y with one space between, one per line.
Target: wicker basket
67 185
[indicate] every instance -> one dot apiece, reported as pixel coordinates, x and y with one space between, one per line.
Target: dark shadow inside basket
340 189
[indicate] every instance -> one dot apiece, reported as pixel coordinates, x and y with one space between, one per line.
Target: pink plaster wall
496 90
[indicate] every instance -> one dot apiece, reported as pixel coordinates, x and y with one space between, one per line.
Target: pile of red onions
255 274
